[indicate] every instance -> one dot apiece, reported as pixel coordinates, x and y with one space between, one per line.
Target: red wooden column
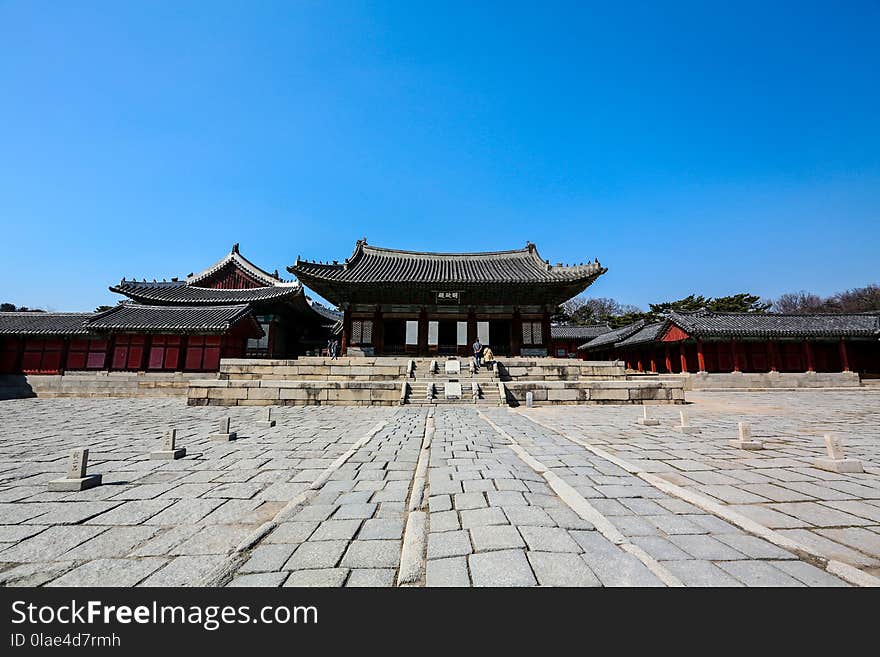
111 349
516 333
701 360
181 354
653 361
378 331
271 337
346 330
639 361
844 356
545 332
734 352
808 355
471 329
65 349
668 361
683 356
423 332
771 355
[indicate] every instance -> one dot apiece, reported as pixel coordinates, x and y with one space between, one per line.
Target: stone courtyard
447 496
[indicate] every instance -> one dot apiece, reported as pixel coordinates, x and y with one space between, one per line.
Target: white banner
461 328
483 332
412 332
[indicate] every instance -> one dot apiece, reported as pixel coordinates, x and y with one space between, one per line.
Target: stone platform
394 368
756 381
596 392
389 381
97 384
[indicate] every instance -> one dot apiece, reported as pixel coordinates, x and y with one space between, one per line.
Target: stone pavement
454 496
162 523
837 515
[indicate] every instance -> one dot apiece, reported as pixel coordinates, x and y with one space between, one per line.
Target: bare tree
857 300
799 303
593 310
572 306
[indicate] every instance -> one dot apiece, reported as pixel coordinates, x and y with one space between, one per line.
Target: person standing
478 352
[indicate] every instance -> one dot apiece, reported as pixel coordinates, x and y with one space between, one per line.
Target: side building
745 342
410 302
232 309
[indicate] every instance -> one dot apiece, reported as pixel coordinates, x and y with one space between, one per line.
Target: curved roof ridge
180 294
383 249
235 256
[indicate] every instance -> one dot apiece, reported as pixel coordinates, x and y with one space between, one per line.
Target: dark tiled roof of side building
371 264
610 338
648 333
37 323
174 319
769 325
578 332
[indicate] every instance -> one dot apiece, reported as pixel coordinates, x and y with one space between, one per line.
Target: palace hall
408 302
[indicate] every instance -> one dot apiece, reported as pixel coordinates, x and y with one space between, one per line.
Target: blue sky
692 147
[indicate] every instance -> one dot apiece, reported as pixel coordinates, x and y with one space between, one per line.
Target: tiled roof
708 324
325 312
371 264
197 319
608 339
647 333
19 323
239 260
179 292
189 292
578 332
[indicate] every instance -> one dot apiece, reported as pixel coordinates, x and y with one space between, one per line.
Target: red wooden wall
156 353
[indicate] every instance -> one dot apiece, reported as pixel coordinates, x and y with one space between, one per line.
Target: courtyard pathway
460 496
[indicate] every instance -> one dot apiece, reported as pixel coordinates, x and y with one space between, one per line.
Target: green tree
11 308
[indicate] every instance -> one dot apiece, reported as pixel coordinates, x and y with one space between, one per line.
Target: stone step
418 394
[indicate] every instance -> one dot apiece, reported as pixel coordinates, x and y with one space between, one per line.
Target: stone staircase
428 392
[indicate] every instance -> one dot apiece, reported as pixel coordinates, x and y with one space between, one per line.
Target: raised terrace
387 381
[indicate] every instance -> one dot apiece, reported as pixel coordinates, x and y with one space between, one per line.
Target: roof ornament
275 274
235 248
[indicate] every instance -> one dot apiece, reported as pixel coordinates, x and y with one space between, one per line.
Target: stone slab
65 485
169 455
